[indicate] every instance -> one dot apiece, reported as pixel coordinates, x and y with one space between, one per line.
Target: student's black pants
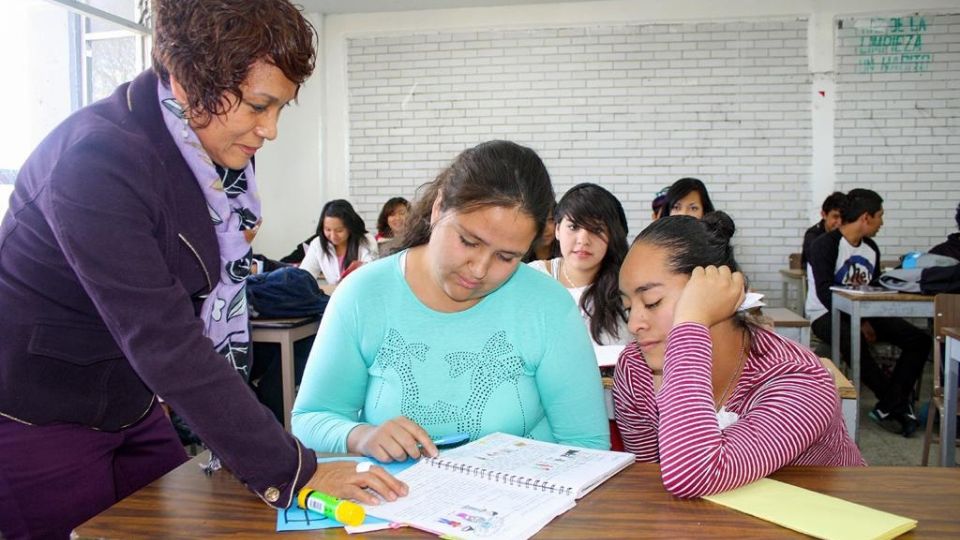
896 392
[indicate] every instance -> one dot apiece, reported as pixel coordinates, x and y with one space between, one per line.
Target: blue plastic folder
300 519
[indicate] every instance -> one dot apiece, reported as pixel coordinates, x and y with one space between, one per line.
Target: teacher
122 265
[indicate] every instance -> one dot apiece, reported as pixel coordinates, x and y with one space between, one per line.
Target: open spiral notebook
500 486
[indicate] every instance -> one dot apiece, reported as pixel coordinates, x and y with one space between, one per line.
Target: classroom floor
882 448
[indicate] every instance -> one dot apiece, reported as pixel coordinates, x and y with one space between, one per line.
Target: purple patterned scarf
234 208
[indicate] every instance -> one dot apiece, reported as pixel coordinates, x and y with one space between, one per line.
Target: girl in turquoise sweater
453 334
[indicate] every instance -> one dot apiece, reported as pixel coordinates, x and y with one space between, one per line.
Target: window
61 55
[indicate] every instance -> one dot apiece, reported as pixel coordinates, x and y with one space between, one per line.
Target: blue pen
452 441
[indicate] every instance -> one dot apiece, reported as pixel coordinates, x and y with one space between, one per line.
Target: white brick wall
632 107
897 123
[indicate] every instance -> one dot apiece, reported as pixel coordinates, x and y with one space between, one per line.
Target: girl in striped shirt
717 400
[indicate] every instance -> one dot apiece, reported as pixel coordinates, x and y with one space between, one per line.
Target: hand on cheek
710 296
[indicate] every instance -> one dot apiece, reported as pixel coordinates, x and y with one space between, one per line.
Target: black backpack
285 292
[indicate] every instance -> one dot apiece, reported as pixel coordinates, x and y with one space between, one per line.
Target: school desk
284 332
859 306
797 277
188 504
789 324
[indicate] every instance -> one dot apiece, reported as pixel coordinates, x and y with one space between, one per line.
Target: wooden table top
785 317
187 504
951 332
795 273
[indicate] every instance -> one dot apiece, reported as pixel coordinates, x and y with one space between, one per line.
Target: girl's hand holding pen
395 440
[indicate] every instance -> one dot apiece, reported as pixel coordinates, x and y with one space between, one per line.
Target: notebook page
460 505
580 469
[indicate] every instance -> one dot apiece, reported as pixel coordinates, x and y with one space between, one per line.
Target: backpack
285 292
927 274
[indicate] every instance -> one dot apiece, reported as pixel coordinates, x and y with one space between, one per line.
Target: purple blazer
105 253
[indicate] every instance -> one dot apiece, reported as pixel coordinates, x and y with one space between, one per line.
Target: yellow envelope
812 513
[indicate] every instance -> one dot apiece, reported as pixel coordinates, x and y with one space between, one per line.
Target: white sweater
326 263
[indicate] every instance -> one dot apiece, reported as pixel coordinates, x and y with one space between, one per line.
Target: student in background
716 399
453 334
830 219
545 247
341 245
656 206
296 256
687 197
392 219
951 247
849 256
127 240
592 232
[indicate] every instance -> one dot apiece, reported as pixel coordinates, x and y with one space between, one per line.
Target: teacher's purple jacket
105 253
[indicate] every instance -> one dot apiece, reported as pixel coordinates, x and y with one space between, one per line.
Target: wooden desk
187 504
870 305
794 276
948 424
848 396
789 324
285 332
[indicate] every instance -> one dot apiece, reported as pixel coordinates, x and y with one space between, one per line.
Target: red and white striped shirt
787 403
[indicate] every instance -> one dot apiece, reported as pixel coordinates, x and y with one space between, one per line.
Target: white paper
579 469
752 300
460 505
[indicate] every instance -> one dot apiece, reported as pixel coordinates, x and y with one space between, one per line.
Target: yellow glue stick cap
350 513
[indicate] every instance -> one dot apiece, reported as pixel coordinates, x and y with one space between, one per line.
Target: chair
946 310
793 261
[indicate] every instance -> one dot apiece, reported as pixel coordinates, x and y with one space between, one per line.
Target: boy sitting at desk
849 256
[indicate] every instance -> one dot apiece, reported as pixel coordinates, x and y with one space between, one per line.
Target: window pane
58 62
122 8
37 94
112 62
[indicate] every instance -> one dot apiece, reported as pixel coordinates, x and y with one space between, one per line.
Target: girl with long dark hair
687 197
592 233
341 244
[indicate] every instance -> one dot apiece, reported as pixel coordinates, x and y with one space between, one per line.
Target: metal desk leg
802 300
948 424
835 335
287 375
805 337
855 359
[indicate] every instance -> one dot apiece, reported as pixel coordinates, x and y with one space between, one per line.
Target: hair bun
719 224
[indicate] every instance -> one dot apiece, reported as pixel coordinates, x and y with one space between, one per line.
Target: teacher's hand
394 440
710 296
341 479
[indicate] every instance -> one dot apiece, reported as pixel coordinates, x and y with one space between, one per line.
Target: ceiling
369 6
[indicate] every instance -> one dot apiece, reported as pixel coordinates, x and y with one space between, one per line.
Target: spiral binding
500 477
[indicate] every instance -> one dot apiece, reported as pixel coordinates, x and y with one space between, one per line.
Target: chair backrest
794 261
946 314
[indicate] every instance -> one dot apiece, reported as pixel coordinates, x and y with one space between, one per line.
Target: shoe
909 422
887 421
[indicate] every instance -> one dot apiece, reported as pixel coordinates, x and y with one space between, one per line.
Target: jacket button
271 494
